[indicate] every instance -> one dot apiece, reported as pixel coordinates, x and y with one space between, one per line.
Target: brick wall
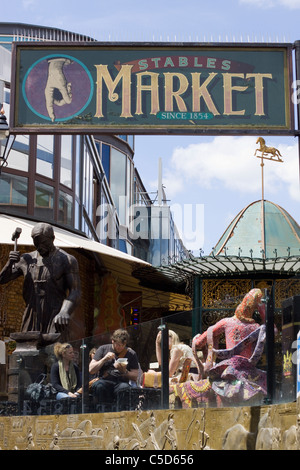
11 299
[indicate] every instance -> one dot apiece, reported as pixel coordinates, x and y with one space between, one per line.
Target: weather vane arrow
275 157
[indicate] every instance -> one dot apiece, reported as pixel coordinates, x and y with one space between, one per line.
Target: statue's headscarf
249 304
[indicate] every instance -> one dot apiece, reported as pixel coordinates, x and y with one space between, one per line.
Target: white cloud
288 172
230 162
292 4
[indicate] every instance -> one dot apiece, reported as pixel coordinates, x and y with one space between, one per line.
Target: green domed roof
261 230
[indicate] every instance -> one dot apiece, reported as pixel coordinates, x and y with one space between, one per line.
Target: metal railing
32 369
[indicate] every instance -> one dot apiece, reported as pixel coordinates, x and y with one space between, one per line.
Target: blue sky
217 175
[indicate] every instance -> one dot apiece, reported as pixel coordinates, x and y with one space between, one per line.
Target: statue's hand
61 321
14 256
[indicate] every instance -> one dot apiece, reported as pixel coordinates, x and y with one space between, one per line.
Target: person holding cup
116 364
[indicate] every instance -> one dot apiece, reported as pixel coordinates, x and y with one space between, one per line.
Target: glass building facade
87 184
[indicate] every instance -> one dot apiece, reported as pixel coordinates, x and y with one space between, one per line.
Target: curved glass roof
261 230
262 240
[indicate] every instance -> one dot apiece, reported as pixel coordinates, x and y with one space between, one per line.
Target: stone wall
273 427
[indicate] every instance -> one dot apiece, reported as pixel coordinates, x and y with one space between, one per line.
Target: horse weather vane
275 156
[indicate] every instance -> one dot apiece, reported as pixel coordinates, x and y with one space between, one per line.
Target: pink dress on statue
234 379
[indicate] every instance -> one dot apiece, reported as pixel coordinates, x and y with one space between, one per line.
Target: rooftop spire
276 157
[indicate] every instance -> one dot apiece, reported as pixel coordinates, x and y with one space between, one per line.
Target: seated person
114 376
65 375
91 356
179 352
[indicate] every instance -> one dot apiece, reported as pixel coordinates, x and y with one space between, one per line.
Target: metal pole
270 352
297 67
164 365
21 385
85 377
159 189
200 305
197 306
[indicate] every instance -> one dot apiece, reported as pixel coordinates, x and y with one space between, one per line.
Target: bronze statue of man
51 287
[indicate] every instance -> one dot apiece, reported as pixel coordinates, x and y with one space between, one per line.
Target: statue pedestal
28 361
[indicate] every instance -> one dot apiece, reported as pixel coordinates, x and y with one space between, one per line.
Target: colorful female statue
234 379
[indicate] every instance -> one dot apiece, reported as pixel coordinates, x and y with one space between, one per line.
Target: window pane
13 190
5 192
77 216
66 161
65 208
44 195
88 190
118 182
106 161
45 155
78 166
105 225
130 140
18 155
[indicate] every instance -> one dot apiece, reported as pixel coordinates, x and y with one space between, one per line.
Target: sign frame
217 57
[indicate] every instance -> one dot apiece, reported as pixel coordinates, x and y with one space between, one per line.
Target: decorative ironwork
3 298
286 288
224 293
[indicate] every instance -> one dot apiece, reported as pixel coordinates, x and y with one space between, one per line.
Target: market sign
155 89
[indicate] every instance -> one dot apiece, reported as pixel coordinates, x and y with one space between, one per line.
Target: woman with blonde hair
179 352
65 375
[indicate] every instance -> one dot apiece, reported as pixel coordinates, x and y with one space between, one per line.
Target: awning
63 239
228 266
122 265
